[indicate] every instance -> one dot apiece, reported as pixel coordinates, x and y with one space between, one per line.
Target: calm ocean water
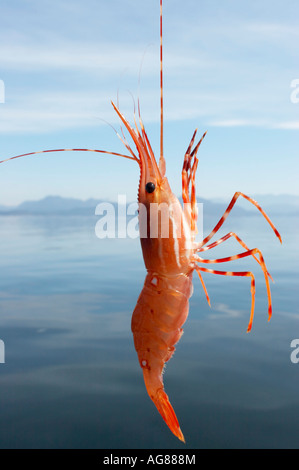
71 378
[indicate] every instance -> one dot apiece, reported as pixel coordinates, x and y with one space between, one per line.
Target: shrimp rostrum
171 253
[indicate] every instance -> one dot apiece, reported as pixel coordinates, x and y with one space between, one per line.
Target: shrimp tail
162 403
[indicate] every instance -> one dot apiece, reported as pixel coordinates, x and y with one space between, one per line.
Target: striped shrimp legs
163 304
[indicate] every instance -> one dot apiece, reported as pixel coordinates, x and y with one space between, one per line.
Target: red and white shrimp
163 305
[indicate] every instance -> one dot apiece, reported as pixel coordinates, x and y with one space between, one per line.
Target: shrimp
170 261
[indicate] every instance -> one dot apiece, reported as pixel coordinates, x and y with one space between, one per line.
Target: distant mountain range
53 205
277 205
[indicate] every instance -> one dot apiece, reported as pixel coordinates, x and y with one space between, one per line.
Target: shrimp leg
240 273
229 208
203 284
243 255
188 176
226 237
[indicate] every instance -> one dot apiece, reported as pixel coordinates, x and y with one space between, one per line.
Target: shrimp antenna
133 157
162 165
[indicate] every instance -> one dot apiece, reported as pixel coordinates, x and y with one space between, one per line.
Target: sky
230 68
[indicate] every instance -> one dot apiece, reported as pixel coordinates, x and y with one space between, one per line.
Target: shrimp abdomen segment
162 309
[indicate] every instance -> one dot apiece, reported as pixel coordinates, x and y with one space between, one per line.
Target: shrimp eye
150 187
